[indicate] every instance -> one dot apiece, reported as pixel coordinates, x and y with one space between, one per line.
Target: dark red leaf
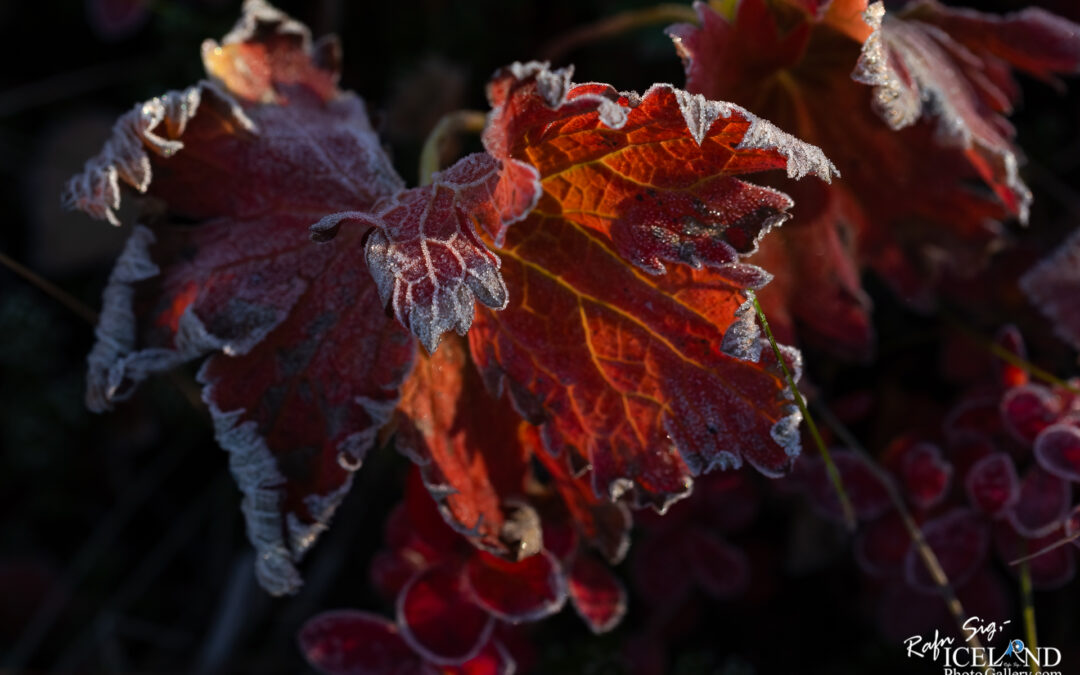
1057 449
1050 570
297 385
864 490
1028 410
351 642
881 546
597 594
719 568
926 476
439 620
960 539
992 485
1044 500
527 590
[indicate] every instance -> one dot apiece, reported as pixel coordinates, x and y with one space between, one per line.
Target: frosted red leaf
931 124
992 484
652 372
1053 286
351 642
960 539
1057 450
516 592
596 593
305 366
1042 505
437 619
425 251
1029 409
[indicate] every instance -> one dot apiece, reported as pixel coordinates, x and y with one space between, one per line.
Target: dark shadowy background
121 542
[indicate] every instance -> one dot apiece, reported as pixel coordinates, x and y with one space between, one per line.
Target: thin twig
830 467
929 558
455 122
50 289
618 24
1046 549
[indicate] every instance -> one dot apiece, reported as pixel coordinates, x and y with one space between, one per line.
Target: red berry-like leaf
881 546
1028 410
864 490
351 642
439 620
1043 502
1057 449
527 590
466 444
960 539
907 173
596 593
1012 341
653 377
992 485
305 366
425 252
1054 287
925 475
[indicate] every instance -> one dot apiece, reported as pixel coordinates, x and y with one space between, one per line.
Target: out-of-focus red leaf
867 495
905 207
881 546
351 642
596 593
617 361
306 366
437 619
466 444
925 475
1054 287
992 485
1029 409
719 568
1043 502
1050 570
526 590
117 19
425 252
960 539
1057 450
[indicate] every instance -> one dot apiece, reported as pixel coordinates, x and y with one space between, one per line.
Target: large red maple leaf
305 364
911 146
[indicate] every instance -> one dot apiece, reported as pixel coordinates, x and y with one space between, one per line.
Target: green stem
451 123
1028 598
618 24
830 466
929 558
1007 356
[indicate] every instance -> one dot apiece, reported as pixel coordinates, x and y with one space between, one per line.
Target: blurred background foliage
121 541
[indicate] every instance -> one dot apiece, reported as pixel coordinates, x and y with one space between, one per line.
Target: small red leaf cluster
998 483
